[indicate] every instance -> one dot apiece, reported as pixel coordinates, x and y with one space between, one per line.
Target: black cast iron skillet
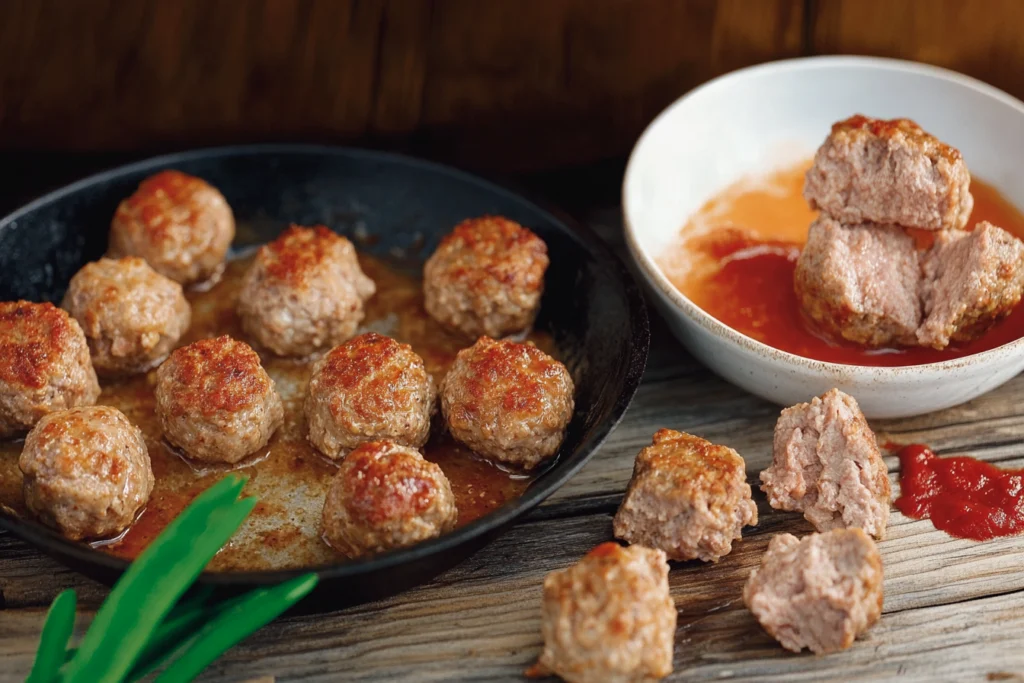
591 305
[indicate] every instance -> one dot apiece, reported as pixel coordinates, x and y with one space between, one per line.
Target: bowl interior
395 208
766 117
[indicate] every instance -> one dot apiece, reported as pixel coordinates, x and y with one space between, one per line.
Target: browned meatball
971 281
687 497
386 496
304 292
609 617
132 316
180 224
818 592
216 402
826 464
44 365
369 388
509 402
87 471
486 277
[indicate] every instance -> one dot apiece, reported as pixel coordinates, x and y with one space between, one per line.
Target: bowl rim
656 278
547 482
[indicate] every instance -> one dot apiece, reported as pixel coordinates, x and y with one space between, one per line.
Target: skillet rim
549 481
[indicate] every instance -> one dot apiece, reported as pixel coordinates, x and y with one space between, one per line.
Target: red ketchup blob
963 496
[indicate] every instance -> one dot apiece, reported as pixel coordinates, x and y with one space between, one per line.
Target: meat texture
509 402
216 402
44 365
860 282
132 316
303 292
871 170
386 496
819 592
609 618
367 389
971 281
181 225
486 277
826 464
687 497
87 471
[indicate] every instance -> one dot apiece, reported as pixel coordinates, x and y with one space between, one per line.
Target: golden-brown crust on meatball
367 389
386 496
507 401
132 316
303 292
44 365
180 224
215 401
688 497
87 471
609 617
486 277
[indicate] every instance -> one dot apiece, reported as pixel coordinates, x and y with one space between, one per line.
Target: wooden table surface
954 609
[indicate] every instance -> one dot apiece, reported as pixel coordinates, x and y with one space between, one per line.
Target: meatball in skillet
687 497
216 402
386 496
486 278
44 365
303 292
609 617
87 471
508 402
132 316
871 170
181 225
818 592
971 281
861 282
367 389
826 464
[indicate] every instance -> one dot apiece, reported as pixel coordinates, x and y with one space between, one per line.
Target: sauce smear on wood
738 253
963 496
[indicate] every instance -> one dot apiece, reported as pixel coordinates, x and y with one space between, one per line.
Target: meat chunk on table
609 617
872 170
860 282
819 592
688 497
826 464
971 281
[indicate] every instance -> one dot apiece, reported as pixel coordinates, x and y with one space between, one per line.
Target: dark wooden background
506 85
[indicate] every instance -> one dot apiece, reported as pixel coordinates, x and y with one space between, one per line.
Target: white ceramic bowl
758 119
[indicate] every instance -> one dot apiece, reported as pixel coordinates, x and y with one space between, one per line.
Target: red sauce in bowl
737 256
963 496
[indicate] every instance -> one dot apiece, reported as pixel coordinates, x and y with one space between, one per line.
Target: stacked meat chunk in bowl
890 260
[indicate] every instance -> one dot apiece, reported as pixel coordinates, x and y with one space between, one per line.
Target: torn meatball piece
871 170
508 402
860 282
687 497
819 592
87 472
181 225
386 496
303 292
486 278
609 617
826 464
971 281
216 402
367 389
44 365
132 316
